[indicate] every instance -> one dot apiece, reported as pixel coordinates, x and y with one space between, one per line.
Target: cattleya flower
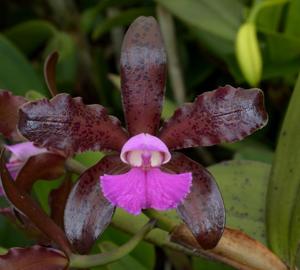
145 172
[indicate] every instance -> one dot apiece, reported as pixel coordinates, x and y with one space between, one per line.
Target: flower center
145 151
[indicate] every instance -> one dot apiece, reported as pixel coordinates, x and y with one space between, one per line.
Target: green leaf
203 264
16 73
42 190
248 53
282 208
293 19
122 19
243 185
250 149
30 35
33 95
220 18
169 108
281 47
127 262
269 18
2 250
89 158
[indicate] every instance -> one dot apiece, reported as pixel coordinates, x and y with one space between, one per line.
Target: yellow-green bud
248 53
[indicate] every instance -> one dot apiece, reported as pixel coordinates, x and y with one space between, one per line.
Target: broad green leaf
202 264
30 35
293 19
127 262
243 185
249 149
10 236
220 18
269 18
16 73
90 16
248 53
283 227
281 47
122 19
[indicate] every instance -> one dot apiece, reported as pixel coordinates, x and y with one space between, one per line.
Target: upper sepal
143 76
203 209
226 114
66 125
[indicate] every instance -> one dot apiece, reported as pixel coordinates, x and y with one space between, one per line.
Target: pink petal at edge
139 189
23 151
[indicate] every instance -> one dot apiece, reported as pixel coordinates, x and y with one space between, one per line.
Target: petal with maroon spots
9 107
143 75
66 125
139 189
203 209
87 212
226 114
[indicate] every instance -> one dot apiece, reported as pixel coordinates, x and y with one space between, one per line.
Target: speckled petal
203 209
226 114
139 189
66 125
143 75
146 142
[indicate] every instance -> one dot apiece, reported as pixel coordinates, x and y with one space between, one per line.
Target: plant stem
86 261
168 31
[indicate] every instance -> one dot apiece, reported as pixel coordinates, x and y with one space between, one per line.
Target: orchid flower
144 171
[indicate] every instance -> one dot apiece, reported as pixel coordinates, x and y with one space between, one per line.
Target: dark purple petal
87 212
66 125
9 107
226 114
27 206
33 258
45 166
203 209
58 199
143 75
49 72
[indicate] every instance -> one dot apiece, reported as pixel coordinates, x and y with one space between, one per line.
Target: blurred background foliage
209 43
